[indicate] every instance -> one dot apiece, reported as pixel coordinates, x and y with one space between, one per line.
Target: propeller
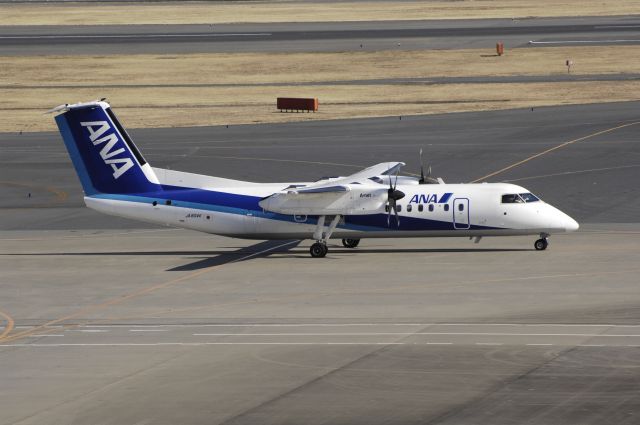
394 195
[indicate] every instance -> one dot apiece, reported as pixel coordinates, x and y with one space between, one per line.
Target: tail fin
102 152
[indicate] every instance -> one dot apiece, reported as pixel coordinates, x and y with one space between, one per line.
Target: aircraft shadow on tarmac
206 259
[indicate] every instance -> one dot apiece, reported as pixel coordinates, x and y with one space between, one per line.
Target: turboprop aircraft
373 203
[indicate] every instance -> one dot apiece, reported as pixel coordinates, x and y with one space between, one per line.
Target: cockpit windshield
519 198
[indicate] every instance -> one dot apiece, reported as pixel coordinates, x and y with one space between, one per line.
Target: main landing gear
542 243
319 248
350 243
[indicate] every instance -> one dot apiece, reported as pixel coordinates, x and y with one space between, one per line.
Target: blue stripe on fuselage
233 203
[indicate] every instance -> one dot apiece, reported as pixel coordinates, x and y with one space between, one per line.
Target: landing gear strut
319 248
350 243
541 244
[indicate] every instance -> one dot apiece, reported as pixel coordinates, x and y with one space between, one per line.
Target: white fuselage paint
482 207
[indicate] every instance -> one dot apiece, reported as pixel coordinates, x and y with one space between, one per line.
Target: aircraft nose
570 225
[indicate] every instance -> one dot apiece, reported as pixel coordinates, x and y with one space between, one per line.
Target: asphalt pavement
318 36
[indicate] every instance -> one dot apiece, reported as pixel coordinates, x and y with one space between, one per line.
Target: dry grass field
298 11
208 89
265 68
169 107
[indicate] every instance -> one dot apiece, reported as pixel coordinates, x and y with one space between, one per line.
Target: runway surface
169 326
319 36
593 178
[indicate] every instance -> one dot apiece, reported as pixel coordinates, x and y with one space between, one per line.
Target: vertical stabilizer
102 152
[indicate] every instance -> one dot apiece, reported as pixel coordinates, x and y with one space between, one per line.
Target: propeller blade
395 210
396 182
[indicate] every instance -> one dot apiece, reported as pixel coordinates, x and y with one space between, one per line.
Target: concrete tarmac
170 326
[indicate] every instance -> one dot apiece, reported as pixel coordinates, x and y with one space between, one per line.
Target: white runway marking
617 26
585 41
148 330
108 36
41 335
414 333
235 325
88 330
197 344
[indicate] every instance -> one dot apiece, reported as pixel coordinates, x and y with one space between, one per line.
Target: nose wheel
318 250
541 244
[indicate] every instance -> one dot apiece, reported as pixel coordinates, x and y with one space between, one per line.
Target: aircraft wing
350 195
361 177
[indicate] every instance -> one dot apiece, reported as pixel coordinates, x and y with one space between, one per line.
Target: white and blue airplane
372 203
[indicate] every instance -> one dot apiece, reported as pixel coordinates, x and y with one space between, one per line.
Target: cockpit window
529 197
511 199
519 198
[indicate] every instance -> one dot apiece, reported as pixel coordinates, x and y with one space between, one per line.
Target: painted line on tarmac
415 333
567 173
307 324
143 291
44 335
288 343
148 330
616 26
584 41
109 36
8 327
562 145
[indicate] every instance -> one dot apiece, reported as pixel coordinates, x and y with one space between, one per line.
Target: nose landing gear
542 243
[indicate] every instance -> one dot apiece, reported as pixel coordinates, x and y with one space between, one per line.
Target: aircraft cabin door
461 213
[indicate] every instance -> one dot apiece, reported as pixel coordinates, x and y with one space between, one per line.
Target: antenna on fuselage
428 179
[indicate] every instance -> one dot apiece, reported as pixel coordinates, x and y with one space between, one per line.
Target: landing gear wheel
350 243
541 244
318 250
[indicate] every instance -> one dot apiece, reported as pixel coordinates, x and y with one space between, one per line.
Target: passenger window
420 208
460 207
446 207
409 208
430 207
399 208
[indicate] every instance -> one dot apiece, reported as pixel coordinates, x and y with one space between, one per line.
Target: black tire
541 244
318 250
350 243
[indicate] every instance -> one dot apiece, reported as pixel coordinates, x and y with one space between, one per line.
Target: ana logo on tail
97 129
